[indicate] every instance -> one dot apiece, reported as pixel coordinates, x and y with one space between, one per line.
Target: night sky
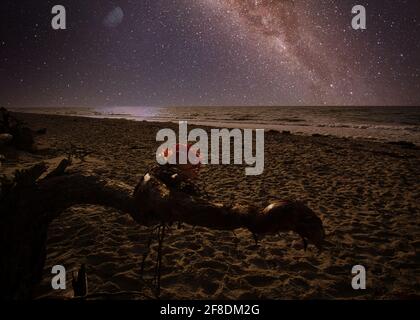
209 52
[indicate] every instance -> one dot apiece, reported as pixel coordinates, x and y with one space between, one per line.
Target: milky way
210 52
313 45
279 28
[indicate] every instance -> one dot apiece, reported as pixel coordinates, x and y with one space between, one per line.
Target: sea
373 123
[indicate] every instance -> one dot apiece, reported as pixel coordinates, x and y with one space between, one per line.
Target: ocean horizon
374 123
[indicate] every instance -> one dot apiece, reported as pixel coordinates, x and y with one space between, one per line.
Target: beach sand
367 194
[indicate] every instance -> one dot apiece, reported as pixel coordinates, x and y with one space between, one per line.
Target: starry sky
209 53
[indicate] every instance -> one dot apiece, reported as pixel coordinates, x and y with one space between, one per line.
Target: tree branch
28 208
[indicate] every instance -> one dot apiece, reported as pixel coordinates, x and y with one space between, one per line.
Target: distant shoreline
382 132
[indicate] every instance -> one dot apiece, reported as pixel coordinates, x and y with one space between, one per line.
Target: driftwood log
28 204
16 132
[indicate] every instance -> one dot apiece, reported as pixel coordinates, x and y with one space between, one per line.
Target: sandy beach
366 193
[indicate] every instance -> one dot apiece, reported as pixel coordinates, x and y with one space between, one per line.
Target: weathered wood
26 210
29 206
22 136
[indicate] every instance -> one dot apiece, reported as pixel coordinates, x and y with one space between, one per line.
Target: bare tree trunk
28 209
30 204
25 214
